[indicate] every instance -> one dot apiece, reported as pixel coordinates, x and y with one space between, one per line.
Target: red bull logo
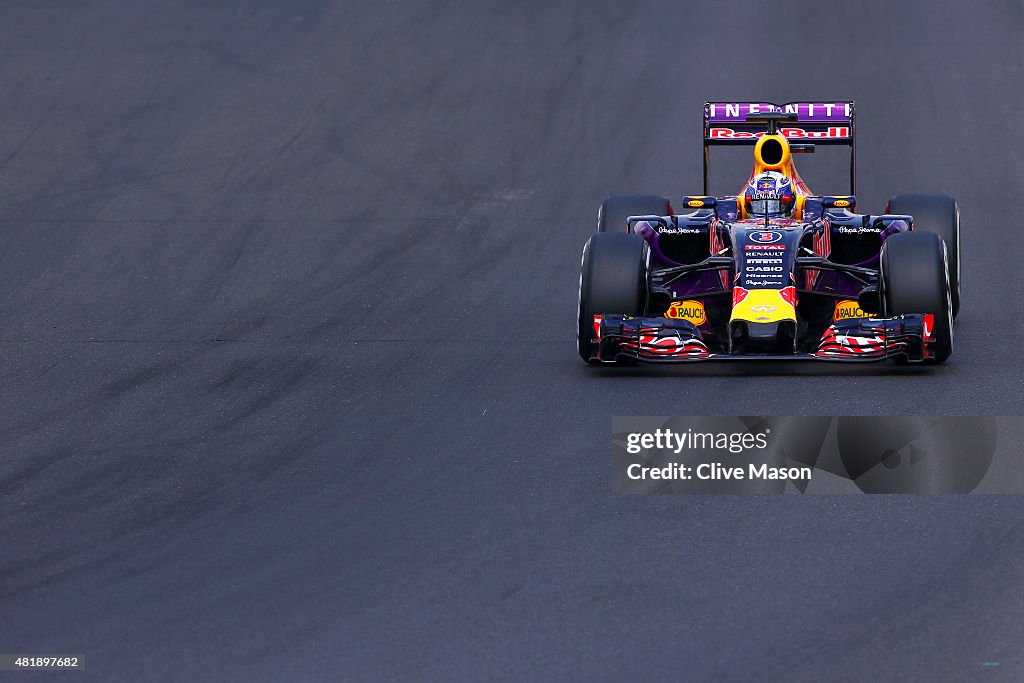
790 133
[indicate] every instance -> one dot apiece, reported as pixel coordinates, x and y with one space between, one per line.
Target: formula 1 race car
775 272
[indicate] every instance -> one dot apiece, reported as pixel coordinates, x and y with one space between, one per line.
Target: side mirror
699 202
839 202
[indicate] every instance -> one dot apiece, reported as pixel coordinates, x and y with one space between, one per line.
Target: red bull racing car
774 272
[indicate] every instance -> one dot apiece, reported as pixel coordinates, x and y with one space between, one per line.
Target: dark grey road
289 387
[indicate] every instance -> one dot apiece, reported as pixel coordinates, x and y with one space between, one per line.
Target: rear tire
613 279
940 214
914 278
614 211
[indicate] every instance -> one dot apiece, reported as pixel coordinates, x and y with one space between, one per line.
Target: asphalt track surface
287 294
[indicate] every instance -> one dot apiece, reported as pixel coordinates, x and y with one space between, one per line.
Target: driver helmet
770 192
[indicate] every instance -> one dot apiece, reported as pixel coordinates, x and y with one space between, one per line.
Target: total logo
765 237
764 247
691 311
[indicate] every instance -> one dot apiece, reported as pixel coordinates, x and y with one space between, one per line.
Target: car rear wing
818 123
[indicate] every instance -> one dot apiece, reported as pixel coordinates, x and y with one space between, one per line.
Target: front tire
613 280
614 211
940 214
914 278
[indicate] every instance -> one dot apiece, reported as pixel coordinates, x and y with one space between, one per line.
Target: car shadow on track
765 369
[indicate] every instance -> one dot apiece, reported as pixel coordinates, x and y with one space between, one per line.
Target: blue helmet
771 193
